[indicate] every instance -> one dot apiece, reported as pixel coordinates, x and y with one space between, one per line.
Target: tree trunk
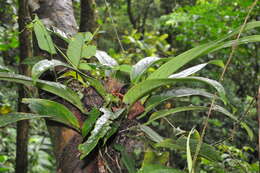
59 13
25 52
88 16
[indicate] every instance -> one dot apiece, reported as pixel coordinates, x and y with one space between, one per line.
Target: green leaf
207 151
158 169
140 67
44 65
102 126
90 122
177 62
32 60
151 133
166 112
17 116
156 100
58 111
145 87
89 51
85 66
155 157
4 69
52 87
194 69
75 49
105 59
244 40
43 38
189 157
189 71
248 130
124 68
126 159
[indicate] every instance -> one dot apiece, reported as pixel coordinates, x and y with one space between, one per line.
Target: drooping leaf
166 112
156 100
102 126
44 65
75 49
189 71
141 66
43 38
52 87
244 40
143 88
151 133
158 169
17 116
177 62
196 68
90 122
207 151
105 59
58 111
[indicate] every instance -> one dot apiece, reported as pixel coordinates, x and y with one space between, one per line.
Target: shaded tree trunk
25 52
88 16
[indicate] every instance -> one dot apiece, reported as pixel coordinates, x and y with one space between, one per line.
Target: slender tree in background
25 52
88 16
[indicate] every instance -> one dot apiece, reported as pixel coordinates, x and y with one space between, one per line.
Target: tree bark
88 16
25 51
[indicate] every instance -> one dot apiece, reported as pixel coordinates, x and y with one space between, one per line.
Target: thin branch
234 46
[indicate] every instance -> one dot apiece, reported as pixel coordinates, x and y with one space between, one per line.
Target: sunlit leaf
102 126
141 66
58 111
44 65
105 59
